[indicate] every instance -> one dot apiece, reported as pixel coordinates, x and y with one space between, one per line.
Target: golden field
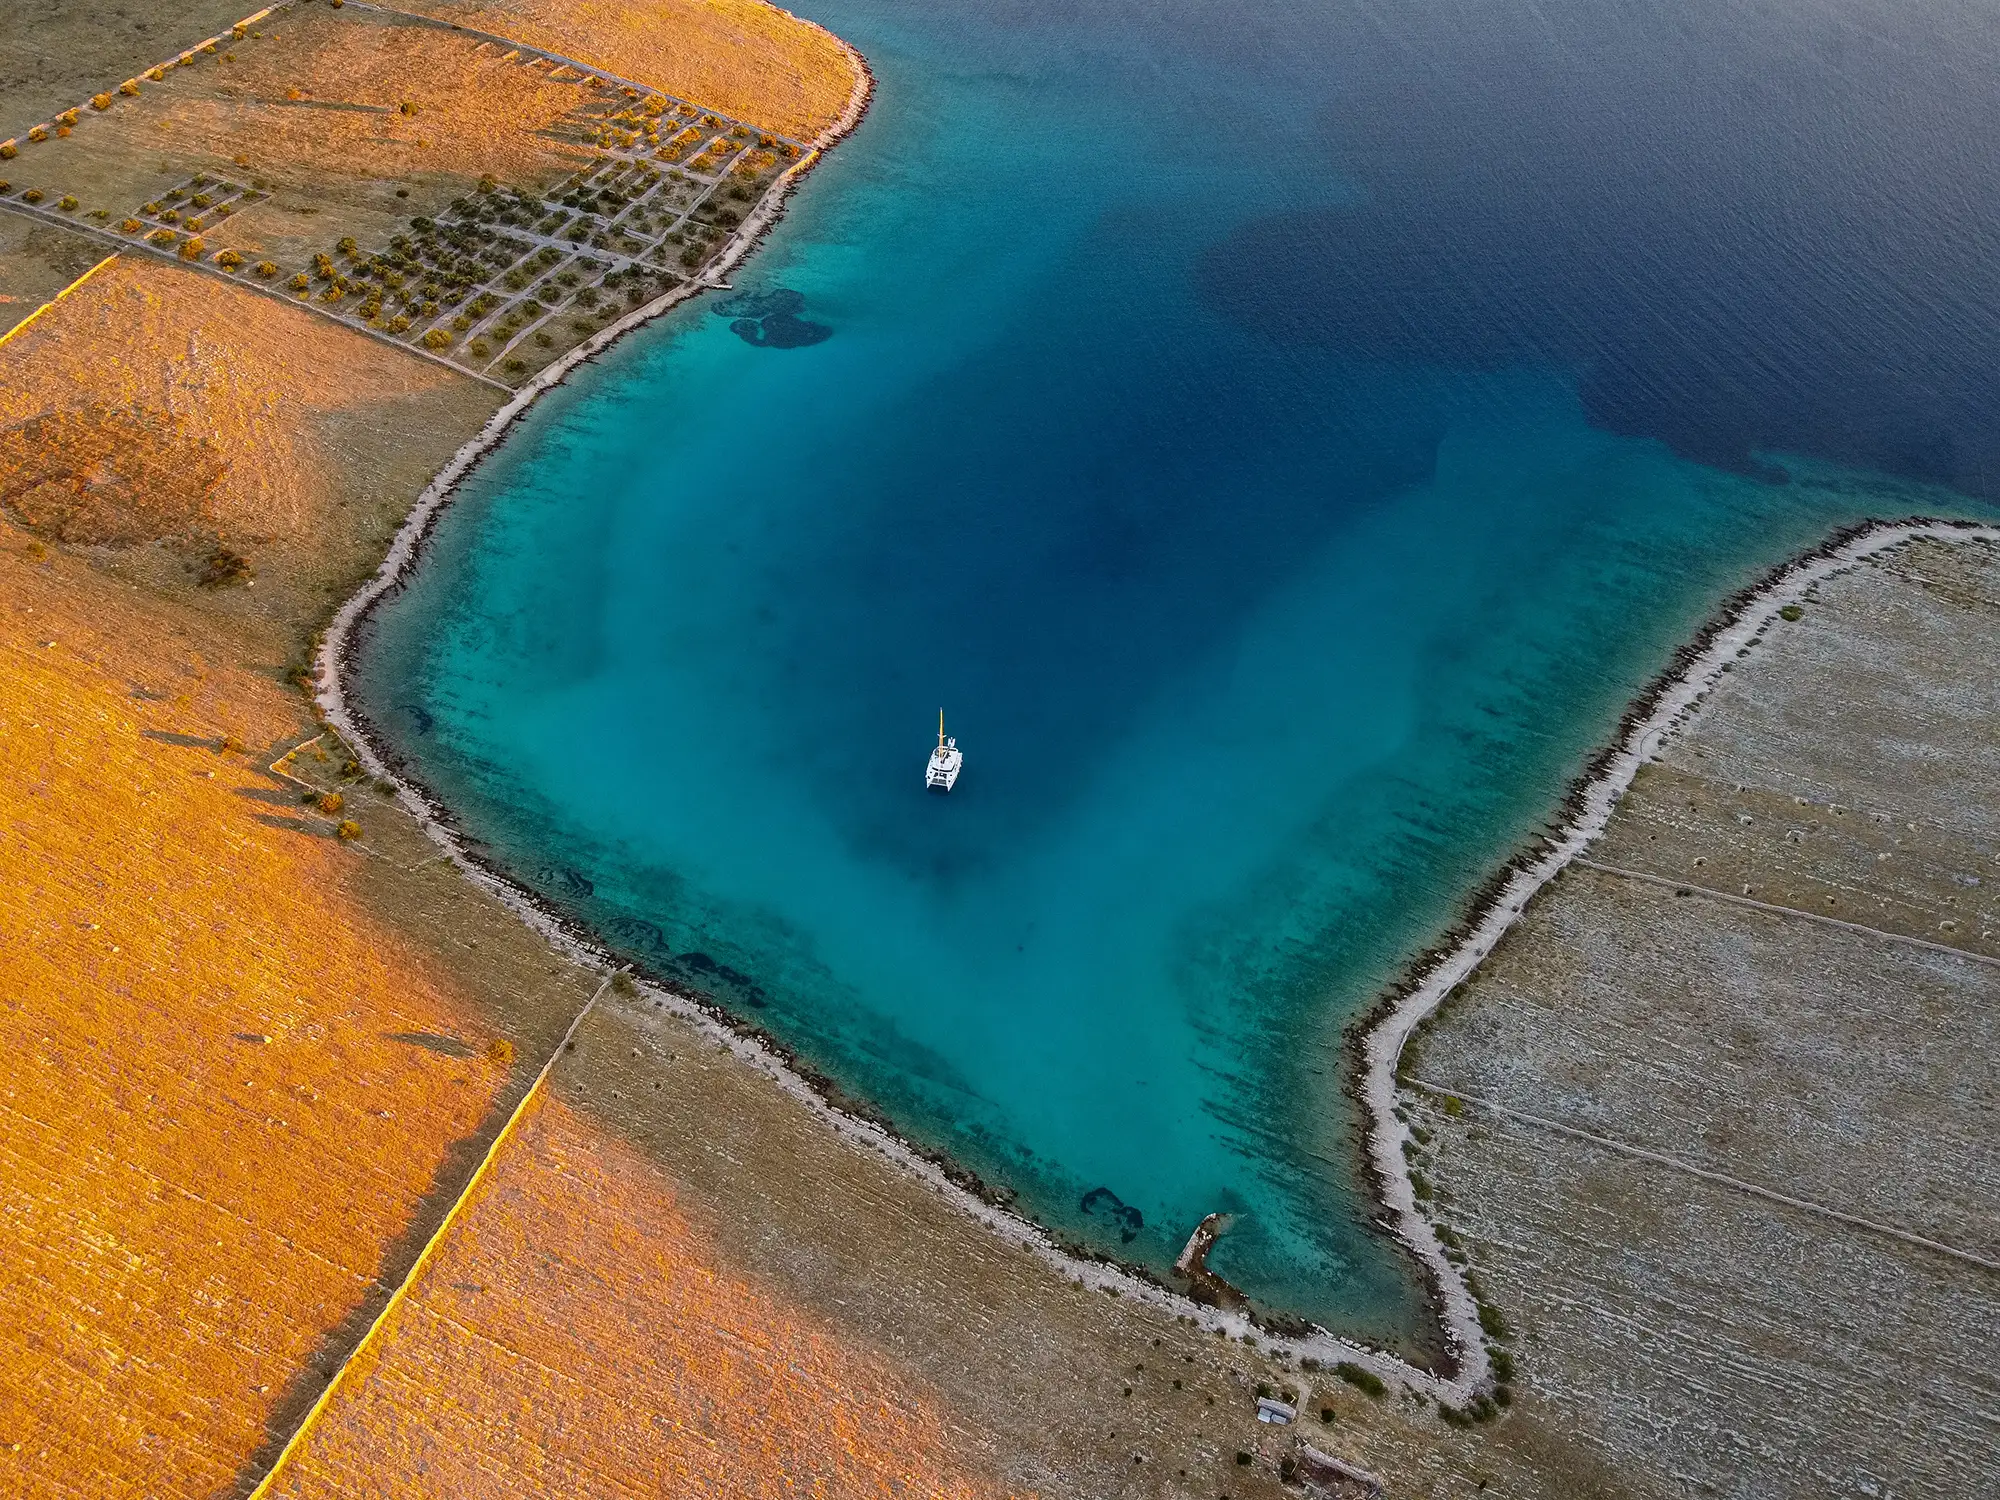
745 58
156 403
211 1135
578 1334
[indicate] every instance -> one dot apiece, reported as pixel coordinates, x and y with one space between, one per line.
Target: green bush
1792 612
1364 1380
1492 1322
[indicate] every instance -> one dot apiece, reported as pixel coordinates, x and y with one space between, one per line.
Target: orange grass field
577 1334
743 57
155 402
209 1133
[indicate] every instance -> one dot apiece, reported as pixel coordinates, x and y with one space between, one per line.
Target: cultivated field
466 196
1779 966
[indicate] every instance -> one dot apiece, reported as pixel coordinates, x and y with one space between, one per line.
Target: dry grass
210 1136
36 262
156 402
578 1334
333 111
54 54
743 57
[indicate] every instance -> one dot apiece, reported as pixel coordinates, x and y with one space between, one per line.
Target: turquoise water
1282 444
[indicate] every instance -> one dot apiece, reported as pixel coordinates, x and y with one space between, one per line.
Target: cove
1282 442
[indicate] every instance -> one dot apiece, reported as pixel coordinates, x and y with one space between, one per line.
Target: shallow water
1282 441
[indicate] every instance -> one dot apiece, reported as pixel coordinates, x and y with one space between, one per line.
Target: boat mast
940 729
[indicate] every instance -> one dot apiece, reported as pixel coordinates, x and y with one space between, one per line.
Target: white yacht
941 775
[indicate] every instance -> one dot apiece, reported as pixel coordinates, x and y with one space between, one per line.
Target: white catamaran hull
941 775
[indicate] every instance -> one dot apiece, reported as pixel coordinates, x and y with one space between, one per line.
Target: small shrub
399 324
161 237
156 74
1326 1414
33 195
300 283
500 1051
266 269
621 984
39 133
543 339
9 151
229 260
192 249
349 830
516 366
231 745
437 340
1242 1459
223 568
1791 612
1364 1380
347 246
129 88
406 108
67 117
67 204
329 802
1503 1364
100 101
480 348
1492 1322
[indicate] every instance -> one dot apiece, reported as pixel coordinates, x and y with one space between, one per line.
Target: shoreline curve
1377 1038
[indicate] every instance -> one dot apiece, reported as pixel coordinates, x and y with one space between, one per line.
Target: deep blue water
1282 438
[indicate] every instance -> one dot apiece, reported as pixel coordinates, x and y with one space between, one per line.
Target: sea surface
1281 438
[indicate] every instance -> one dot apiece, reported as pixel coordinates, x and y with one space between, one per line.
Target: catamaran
941 775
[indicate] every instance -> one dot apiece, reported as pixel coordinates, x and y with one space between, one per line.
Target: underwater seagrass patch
771 320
